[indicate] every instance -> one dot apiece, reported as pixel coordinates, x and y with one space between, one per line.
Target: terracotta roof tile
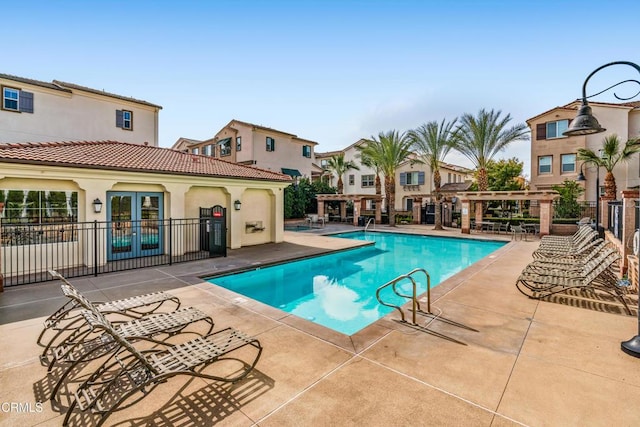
123 156
102 92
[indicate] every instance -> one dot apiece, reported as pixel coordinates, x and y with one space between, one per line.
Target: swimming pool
338 290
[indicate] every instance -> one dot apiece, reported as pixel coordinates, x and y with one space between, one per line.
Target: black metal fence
27 251
616 216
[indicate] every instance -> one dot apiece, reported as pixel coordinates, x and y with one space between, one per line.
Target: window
352 179
368 181
568 163
271 144
551 130
17 100
195 151
306 151
409 203
124 119
544 164
449 177
238 143
412 178
225 147
324 163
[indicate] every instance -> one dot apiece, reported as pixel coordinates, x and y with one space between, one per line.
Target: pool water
339 290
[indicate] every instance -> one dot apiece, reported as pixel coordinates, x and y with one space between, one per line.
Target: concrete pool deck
525 362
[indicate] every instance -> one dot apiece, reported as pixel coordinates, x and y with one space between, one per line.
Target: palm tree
339 166
386 153
368 162
481 138
433 142
611 156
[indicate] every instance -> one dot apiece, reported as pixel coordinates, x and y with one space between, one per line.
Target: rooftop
114 155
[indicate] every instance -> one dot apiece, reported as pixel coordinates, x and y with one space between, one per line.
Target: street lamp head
581 177
584 123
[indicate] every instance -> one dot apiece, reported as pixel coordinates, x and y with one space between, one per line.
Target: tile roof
452 187
121 156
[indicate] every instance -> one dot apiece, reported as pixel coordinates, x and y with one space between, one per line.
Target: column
417 207
478 214
629 198
465 218
379 210
545 217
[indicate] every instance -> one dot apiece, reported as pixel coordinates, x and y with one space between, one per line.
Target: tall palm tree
481 137
368 162
339 166
387 152
433 142
612 154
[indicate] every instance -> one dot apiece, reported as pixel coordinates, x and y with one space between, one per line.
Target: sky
328 71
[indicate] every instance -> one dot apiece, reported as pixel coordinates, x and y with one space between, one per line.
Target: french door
134 226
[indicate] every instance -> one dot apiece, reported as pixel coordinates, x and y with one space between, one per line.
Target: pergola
358 200
545 198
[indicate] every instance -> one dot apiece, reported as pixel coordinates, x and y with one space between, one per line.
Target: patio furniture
546 264
503 226
133 307
581 233
131 370
516 231
596 275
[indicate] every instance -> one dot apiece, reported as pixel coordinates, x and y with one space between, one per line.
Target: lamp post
586 124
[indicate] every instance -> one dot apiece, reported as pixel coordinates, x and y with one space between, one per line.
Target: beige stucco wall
183 195
287 154
77 116
616 120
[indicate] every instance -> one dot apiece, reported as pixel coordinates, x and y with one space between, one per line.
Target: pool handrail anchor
369 222
415 304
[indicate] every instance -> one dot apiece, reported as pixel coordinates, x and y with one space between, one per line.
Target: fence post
170 242
95 248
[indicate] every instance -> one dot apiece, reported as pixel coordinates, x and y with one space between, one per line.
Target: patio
529 363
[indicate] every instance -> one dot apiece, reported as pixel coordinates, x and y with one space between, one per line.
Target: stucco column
629 198
417 206
235 221
320 208
278 215
545 217
604 211
465 218
343 210
478 214
378 211
356 211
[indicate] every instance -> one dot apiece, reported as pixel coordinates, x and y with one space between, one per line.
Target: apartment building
413 180
259 146
38 111
554 156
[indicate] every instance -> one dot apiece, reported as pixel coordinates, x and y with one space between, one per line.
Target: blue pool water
339 290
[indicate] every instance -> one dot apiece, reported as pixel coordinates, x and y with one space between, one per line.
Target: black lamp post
586 124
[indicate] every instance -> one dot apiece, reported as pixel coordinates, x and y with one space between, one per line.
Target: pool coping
370 334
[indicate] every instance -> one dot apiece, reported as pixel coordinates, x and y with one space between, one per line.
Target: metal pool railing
28 251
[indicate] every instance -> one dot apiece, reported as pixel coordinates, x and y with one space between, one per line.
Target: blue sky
328 71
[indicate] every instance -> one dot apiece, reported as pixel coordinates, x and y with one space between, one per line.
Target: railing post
170 242
95 248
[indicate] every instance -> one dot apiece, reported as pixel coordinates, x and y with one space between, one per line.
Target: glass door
134 226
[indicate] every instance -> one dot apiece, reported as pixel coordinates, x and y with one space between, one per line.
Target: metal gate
213 230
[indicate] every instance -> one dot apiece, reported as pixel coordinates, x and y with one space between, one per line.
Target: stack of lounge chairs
128 342
582 261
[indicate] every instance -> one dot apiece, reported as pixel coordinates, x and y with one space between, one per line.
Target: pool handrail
414 298
369 222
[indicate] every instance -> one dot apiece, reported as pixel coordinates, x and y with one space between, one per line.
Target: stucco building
553 155
38 111
259 146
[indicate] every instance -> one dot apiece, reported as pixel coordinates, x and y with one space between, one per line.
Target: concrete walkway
524 362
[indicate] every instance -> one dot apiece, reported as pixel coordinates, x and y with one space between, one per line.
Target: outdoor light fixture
586 124
581 177
97 206
237 205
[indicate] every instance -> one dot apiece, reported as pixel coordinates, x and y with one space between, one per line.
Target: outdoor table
486 225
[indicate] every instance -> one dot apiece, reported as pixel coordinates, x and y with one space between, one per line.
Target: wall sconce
237 205
97 206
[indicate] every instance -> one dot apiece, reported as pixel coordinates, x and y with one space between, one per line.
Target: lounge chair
131 370
595 275
578 236
570 262
133 307
85 344
570 248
